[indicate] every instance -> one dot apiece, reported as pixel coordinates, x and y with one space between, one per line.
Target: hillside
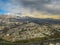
15 28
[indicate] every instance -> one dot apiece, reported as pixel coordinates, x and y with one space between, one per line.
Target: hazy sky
21 6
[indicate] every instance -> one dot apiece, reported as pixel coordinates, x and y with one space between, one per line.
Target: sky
31 6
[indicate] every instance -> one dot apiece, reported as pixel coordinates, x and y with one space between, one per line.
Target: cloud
12 6
44 6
